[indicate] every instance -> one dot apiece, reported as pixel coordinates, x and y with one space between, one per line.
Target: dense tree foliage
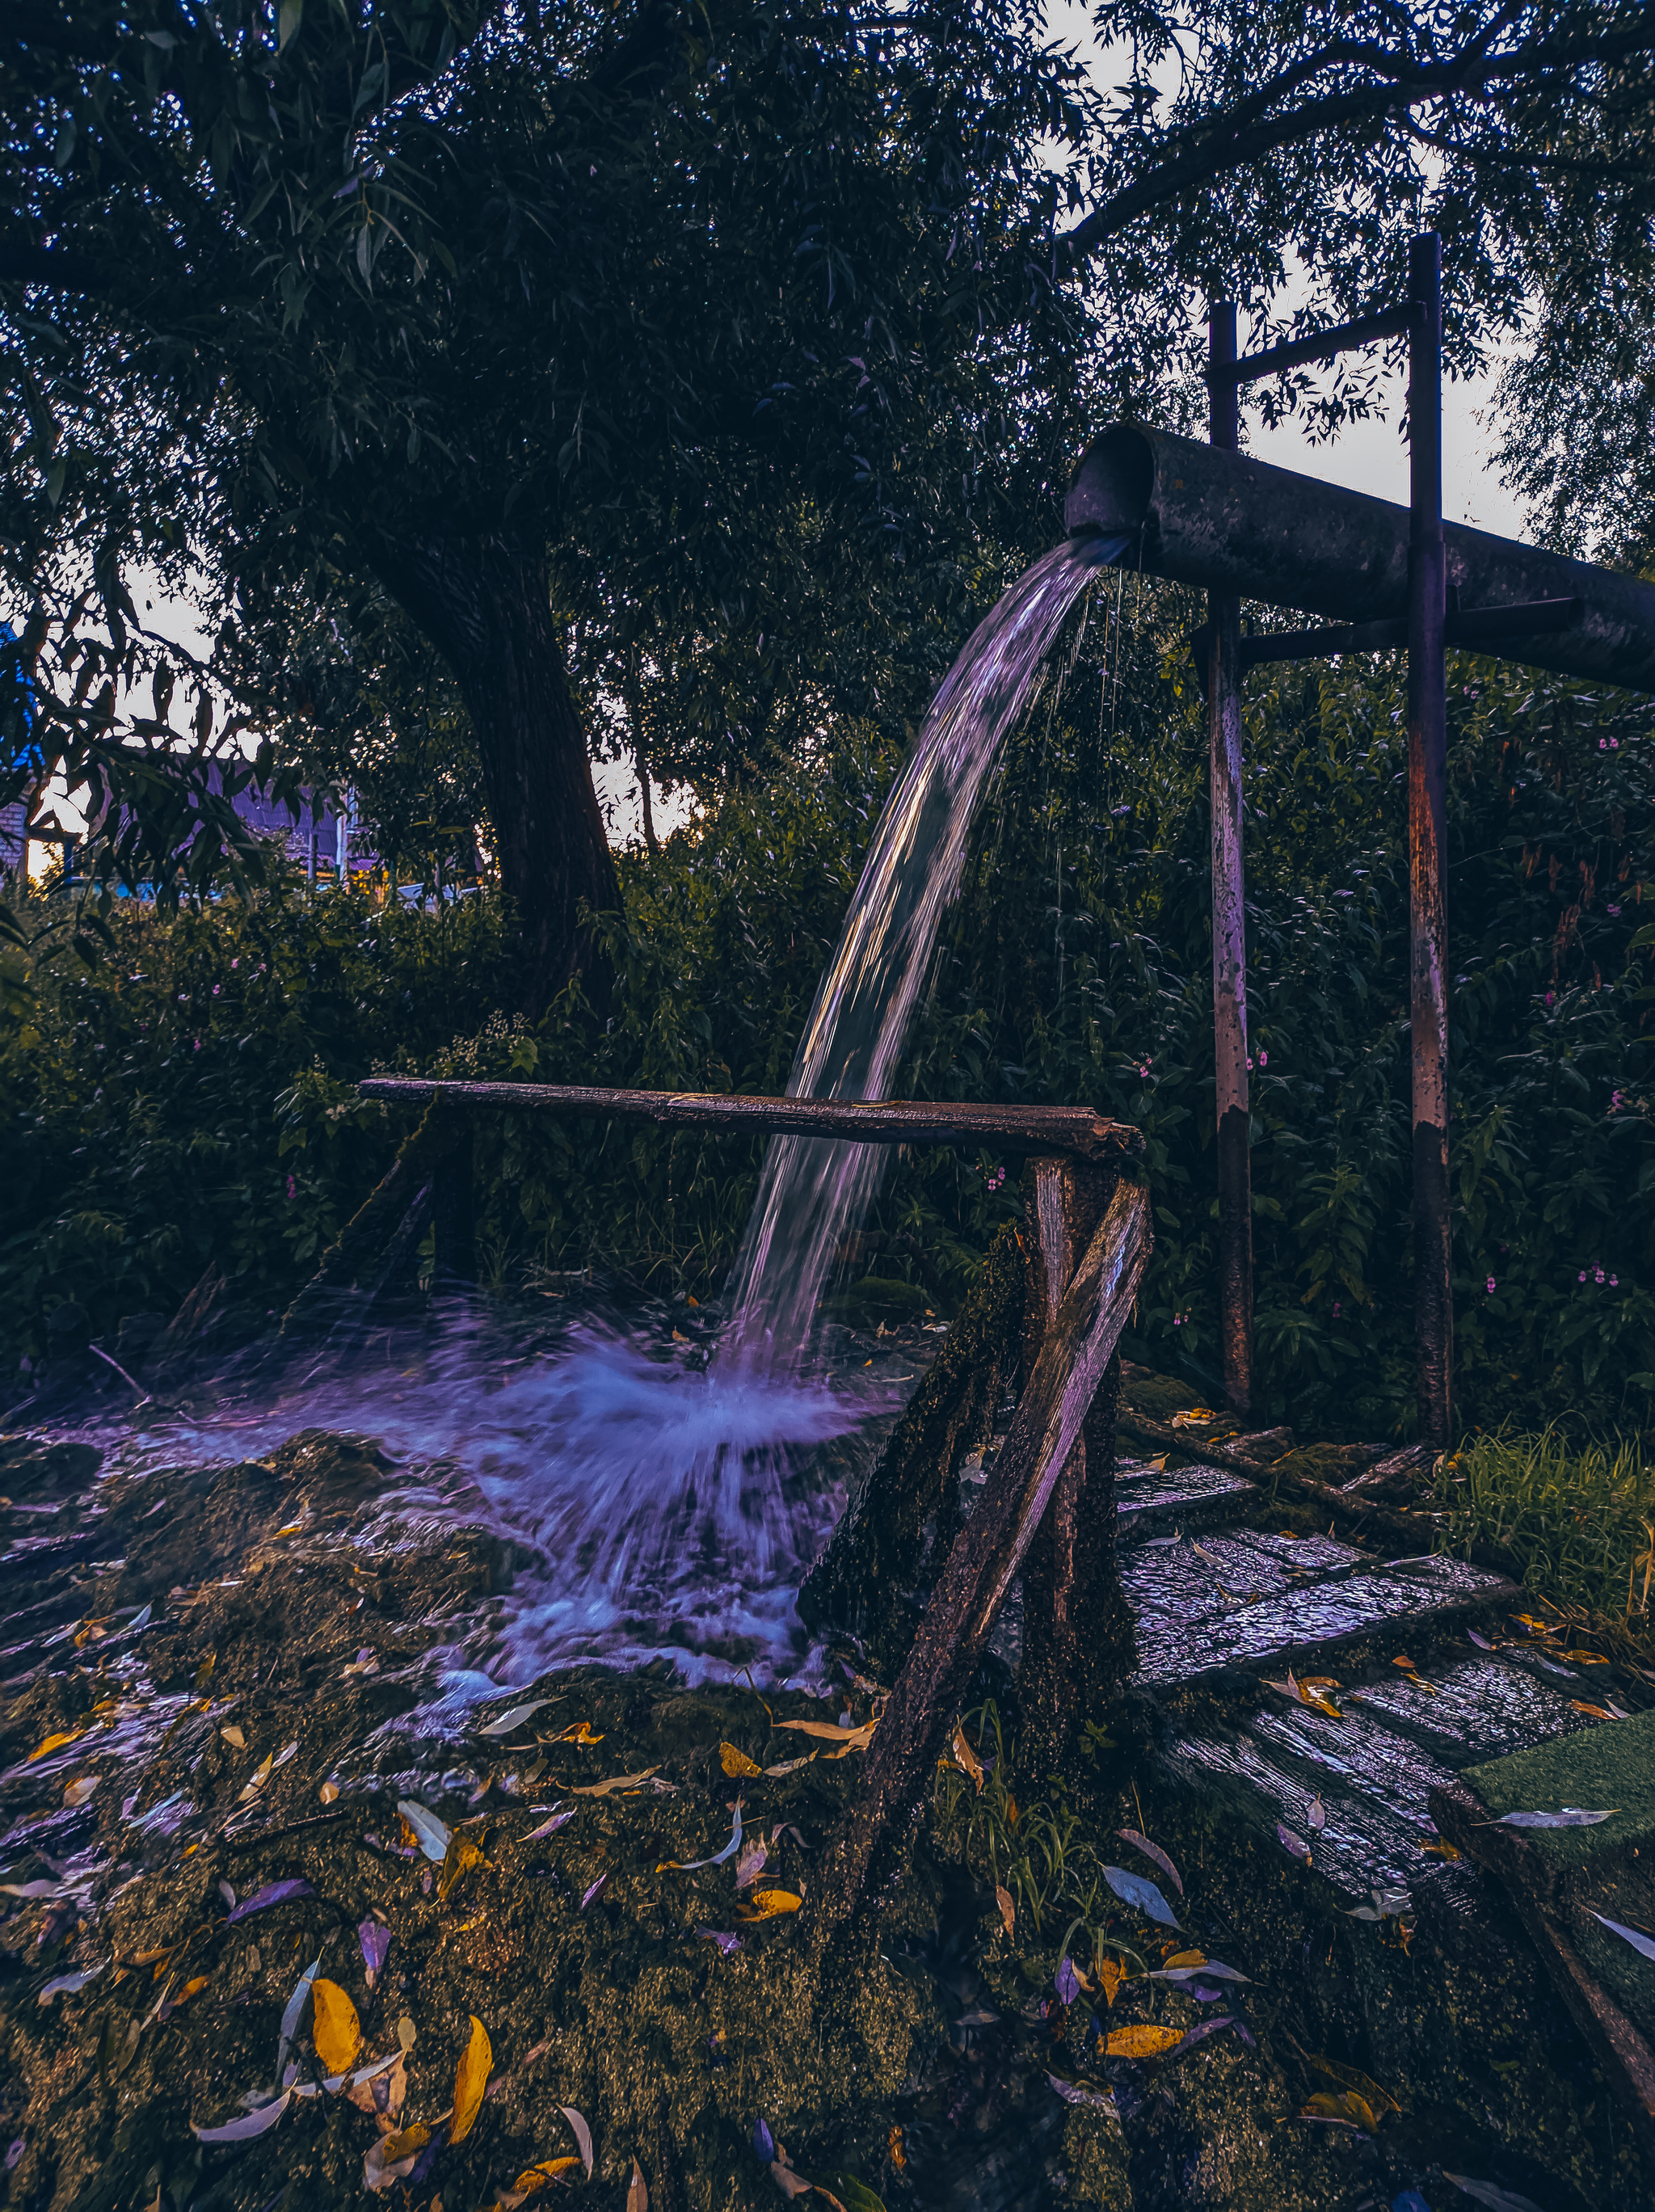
675 372
192 1100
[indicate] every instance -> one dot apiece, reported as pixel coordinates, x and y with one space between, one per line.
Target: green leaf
292 13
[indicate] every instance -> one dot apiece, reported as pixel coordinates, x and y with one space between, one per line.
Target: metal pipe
1428 779
1228 918
1223 521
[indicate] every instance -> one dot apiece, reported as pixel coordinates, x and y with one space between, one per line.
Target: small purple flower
1338 1308
1583 1275
217 988
1613 909
1615 1282
293 1187
1250 1063
1597 1275
1264 1059
236 962
1603 745
1551 998
1489 1287
197 1044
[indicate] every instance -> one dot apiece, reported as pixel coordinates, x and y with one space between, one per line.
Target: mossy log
986 1557
865 1578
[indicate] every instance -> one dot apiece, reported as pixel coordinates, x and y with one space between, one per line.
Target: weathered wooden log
1077 1628
864 1580
986 1555
1074 1130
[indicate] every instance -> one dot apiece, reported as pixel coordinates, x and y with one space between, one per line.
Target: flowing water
662 1489
816 1190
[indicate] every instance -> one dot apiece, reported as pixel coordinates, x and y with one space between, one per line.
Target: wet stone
1354 1753
1152 1500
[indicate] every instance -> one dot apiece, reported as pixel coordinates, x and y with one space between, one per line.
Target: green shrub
1579 1518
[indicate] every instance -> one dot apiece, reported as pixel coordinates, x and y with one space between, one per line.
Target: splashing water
655 1507
816 1189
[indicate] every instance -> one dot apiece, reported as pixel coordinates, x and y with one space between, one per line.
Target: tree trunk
484 603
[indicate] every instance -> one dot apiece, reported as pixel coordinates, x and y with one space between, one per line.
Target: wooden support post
1077 1628
1427 775
987 1554
1229 922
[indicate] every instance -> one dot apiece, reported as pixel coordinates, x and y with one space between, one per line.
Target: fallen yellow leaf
195 1983
768 1905
576 1732
1185 1958
392 2148
1349 2077
337 2032
464 1853
1441 1849
1595 1712
54 1743
1110 1976
471 2079
1353 2110
966 1759
1142 2042
852 1738
737 1763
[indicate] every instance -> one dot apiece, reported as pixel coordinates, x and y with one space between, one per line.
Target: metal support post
1428 755
1229 924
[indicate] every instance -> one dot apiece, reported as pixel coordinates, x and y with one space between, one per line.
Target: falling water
814 1190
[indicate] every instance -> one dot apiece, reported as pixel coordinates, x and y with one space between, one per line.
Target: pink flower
217 988
1551 998
1337 1309
292 1187
1597 1275
197 1044
1615 1282
1264 1059
1489 1285
1583 1275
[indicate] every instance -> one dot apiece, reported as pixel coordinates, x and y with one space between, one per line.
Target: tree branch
1228 148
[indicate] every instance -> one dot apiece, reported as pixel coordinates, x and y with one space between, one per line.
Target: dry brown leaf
576 1732
80 1789
768 1905
1349 2077
471 2079
853 1739
1008 1910
1111 1974
1346 2107
191 1988
464 1853
1142 2042
337 2032
637 2190
967 1759
736 1764
329 1791
1441 1849
233 1737
615 1782
1594 1712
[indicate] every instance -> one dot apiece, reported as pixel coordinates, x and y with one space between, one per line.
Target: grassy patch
1580 1520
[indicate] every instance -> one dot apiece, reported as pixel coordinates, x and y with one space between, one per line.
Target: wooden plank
986 1556
1074 1130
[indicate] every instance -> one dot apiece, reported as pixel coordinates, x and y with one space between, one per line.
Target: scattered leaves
1153 1852
768 1905
471 2079
1571 1816
736 1764
273 1892
1140 2041
336 2031
1347 2077
44 1748
1639 1940
1142 1895
425 1829
514 1718
464 1853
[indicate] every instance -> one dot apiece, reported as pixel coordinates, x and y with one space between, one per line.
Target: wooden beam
925 1705
1074 1130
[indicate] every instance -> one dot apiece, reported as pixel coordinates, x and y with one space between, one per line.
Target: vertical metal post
1427 758
1229 926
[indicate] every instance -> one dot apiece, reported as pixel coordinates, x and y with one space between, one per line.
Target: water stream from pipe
816 1190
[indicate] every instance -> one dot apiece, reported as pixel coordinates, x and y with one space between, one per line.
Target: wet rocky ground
263 1873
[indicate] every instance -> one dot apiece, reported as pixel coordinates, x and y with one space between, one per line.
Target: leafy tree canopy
713 359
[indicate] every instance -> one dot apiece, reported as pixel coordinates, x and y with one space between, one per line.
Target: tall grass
1581 1519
